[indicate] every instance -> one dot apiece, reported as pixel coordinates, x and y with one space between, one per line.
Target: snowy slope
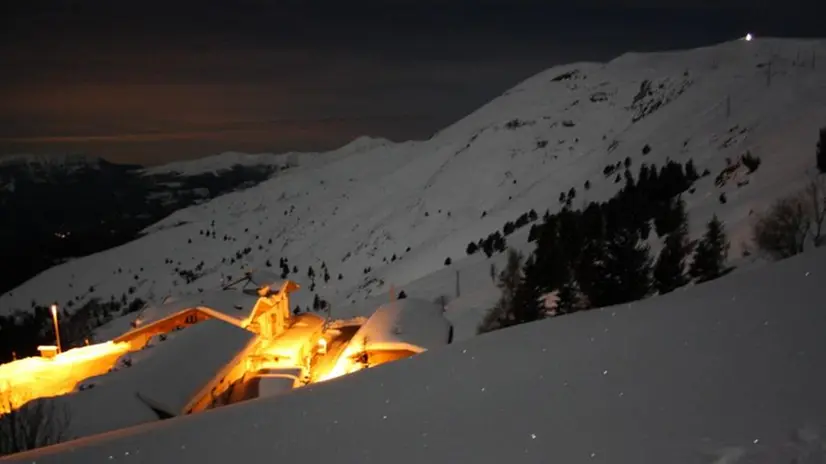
728 371
227 160
356 207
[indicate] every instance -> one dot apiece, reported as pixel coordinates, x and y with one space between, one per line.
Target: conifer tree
510 279
711 253
624 272
670 216
691 171
821 151
526 305
569 297
670 268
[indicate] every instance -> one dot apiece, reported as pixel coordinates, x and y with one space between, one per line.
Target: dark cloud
150 80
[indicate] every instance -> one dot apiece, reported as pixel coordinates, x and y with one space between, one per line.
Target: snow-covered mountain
730 371
227 160
357 207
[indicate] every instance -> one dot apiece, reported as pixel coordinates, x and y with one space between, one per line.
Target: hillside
56 208
727 371
425 201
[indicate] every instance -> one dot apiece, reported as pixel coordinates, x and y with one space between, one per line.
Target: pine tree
569 297
670 269
526 305
691 171
670 216
499 243
624 272
487 246
711 253
821 151
510 279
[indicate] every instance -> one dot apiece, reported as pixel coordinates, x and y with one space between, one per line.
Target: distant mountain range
55 208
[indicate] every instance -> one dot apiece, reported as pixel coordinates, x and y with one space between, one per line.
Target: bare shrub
27 425
792 222
781 232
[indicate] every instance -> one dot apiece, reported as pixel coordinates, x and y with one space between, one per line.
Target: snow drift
727 371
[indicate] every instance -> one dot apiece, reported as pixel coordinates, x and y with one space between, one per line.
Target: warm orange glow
308 347
346 364
56 327
37 377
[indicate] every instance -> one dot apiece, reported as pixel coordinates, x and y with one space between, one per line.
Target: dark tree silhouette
711 253
625 269
670 268
510 279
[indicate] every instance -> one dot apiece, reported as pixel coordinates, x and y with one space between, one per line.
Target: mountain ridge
423 201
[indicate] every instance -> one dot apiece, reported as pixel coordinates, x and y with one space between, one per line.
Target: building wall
378 357
138 338
220 391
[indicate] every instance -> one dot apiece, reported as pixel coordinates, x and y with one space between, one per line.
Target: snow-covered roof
164 377
409 323
730 370
263 278
233 303
184 365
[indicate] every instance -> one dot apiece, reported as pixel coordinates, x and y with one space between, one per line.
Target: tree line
599 256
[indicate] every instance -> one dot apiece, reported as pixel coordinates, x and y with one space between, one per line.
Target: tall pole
56 327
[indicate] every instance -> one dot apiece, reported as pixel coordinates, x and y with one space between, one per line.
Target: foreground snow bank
728 371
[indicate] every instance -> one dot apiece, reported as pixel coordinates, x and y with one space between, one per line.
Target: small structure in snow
396 330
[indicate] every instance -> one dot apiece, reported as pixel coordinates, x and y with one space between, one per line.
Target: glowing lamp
56 327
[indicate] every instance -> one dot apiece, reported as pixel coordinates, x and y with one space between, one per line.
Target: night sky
150 82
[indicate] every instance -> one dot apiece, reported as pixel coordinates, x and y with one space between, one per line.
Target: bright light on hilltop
749 37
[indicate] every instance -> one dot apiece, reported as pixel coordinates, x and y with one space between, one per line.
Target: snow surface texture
227 160
356 207
233 303
730 371
410 323
165 376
